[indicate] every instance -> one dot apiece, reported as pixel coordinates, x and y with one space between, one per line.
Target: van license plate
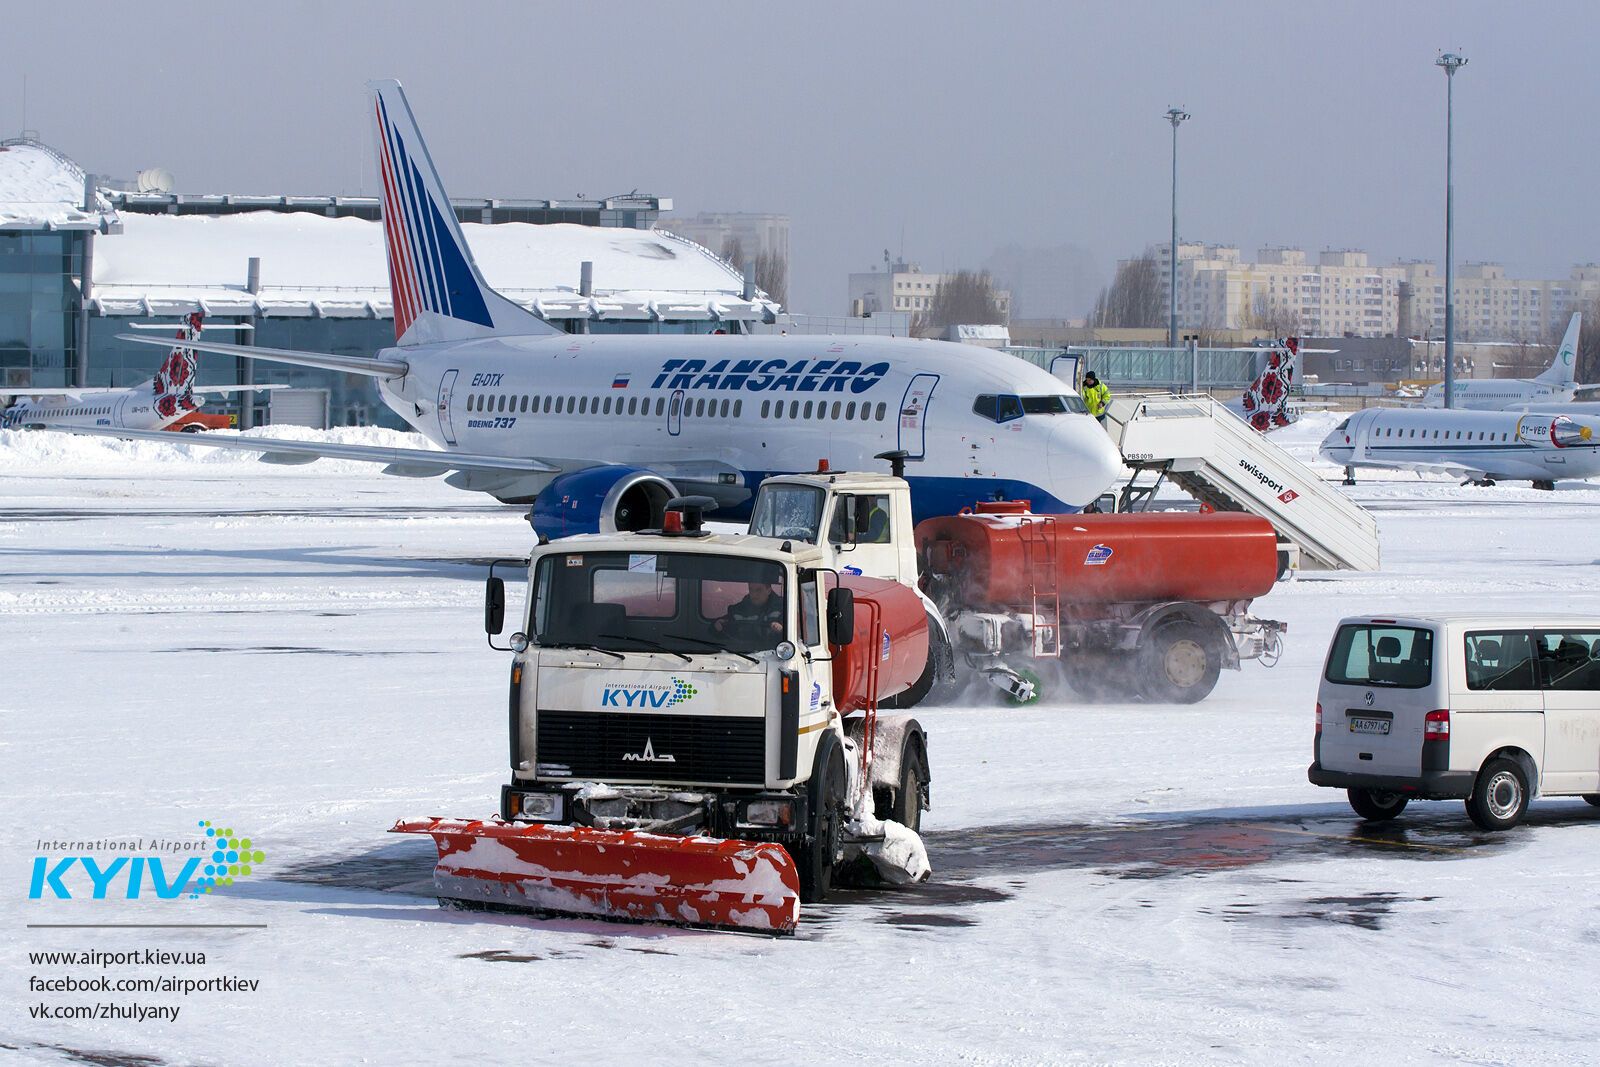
1369 726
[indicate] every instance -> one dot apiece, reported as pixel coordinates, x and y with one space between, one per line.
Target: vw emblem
1368 698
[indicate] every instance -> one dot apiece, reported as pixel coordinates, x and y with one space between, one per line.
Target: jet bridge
1214 456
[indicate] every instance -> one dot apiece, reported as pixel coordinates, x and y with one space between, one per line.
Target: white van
1489 709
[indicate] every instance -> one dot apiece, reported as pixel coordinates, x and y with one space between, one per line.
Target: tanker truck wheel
1179 663
907 807
936 673
817 858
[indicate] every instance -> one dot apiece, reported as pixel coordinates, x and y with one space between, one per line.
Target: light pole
1451 63
1175 115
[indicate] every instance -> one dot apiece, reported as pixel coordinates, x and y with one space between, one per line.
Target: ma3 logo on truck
225 857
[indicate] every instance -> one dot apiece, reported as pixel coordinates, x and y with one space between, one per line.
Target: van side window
1568 660
1399 657
1499 661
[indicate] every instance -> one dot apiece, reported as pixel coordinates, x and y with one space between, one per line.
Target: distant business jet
1481 447
170 400
1557 385
598 432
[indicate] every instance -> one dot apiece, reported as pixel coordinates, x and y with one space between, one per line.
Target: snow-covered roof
41 189
312 265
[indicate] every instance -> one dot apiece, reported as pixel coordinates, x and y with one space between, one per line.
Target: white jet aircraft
1556 385
1482 447
598 432
154 404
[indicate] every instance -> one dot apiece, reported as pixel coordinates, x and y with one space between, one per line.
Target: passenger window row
1459 435
848 411
1521 660
519 404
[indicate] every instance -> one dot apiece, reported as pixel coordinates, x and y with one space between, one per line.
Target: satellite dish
155 180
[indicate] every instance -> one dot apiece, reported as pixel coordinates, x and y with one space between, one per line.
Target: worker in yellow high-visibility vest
1096 396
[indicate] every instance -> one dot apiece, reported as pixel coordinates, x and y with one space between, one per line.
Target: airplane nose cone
1083 462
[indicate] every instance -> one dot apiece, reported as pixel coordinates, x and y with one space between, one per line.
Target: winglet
438 292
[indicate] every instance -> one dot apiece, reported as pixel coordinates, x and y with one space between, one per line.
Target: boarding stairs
1217 458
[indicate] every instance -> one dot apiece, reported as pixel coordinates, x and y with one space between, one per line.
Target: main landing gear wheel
1179 663
1546 484
818 857
1499 797
1377 805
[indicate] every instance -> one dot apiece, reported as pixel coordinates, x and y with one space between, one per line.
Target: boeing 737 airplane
1482 447
598 432
1556 385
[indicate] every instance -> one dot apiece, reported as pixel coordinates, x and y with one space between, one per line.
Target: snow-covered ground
295 654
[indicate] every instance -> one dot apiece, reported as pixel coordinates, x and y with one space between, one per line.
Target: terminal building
80 264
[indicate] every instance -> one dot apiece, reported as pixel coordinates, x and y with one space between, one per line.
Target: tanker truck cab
862 521
1492 710
680 682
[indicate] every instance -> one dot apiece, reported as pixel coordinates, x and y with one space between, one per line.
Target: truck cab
685 682
861 522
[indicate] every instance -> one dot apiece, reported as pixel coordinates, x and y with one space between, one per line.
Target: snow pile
65 453
40 187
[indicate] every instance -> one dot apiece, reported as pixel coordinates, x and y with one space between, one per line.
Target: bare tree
965 297
1271 317
1134 297
770 269
772 276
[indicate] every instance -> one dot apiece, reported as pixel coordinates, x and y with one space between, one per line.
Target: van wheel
1499 797
1178 664
1377 805
1592 799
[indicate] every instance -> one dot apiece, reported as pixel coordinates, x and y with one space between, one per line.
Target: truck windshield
788 511
684 603
1400 657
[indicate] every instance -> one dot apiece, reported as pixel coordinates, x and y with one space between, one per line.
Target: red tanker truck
1151 605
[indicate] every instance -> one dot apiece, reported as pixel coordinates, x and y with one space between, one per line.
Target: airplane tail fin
173 384
438 292
1266 402
1563 370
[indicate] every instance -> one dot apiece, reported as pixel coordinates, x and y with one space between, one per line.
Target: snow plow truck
694 736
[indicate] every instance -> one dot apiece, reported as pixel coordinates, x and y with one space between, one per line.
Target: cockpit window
1054 405
1001 408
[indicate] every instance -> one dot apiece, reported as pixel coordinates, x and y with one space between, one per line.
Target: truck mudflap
616 874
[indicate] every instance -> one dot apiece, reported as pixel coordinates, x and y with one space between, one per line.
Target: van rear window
1398 657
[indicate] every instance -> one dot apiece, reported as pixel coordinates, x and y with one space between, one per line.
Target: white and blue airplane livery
598 432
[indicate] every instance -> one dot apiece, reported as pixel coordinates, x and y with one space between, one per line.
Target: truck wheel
1499 797
818 856
907 807
1377 805
1096 676
1178 663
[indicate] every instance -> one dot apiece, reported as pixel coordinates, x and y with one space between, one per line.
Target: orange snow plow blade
618 874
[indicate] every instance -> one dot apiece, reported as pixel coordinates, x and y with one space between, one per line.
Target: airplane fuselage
1498 394
737 408
1500 445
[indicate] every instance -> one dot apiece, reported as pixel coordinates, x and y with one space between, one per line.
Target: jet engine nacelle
608 499
1561 431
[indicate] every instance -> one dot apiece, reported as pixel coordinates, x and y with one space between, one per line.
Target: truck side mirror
841 616
494 605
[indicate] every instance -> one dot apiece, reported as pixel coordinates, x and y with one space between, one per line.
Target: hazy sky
957 128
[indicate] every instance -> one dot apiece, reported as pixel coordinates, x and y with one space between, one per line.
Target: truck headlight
772 812
519 642
785 650
540 807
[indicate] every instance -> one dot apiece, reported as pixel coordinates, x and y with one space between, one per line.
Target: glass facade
39 275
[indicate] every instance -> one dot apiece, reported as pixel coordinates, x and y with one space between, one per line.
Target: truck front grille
606 746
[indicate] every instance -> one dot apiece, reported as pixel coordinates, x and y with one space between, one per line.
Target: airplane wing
413 462
234 388
74 394
372 367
